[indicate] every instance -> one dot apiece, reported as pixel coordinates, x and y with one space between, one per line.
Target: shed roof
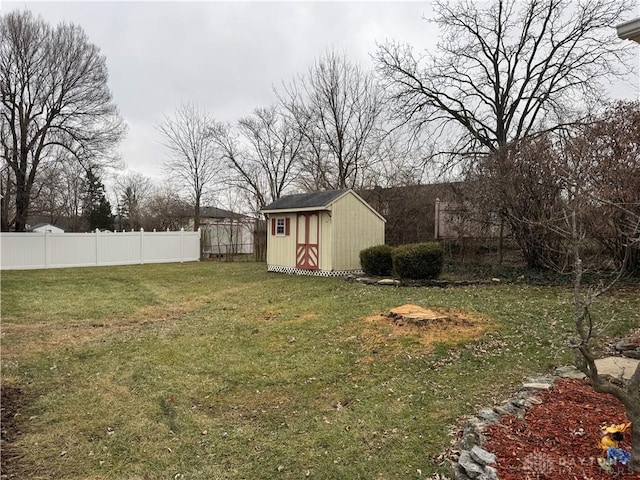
299 201
302 202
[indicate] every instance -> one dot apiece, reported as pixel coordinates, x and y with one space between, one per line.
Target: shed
321 233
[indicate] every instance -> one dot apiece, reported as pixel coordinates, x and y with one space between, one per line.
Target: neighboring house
321 233
46 228
225 232
629 30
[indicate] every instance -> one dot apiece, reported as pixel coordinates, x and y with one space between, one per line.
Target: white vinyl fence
58 250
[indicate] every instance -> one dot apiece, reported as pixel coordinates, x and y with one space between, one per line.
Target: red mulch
558 439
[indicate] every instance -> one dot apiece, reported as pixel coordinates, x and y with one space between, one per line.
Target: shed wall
326 250
281 249
355 227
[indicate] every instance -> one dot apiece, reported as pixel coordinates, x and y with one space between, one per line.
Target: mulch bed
558 439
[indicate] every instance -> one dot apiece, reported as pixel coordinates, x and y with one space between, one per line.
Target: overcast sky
226 56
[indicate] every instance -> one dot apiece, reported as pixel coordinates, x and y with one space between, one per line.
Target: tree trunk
23 191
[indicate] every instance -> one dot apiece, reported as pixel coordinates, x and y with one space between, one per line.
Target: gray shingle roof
306 200
214 212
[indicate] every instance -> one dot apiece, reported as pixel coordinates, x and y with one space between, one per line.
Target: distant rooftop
629 30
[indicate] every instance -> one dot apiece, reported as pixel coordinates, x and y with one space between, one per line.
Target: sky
224 56
227 56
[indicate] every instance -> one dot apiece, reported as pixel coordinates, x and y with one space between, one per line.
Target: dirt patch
426 326
12 399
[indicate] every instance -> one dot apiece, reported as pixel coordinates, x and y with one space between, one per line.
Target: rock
509 408
617 367
625 344
488 415
470 436
533 400
388 281
543 379
490 473
481 456
471 468
536 386
569 371
460 473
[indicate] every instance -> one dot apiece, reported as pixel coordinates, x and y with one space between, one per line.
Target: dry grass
449 327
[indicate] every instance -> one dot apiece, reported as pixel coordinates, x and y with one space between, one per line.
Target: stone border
473 462
419 283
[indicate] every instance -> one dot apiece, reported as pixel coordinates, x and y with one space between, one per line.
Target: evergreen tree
97 209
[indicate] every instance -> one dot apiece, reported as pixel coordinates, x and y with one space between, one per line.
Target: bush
377 260
418 260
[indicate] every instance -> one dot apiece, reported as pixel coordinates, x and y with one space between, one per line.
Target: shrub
418 260
377 260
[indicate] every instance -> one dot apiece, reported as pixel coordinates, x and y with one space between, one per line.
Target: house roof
47 225
214 212
305 201
629 30
41 224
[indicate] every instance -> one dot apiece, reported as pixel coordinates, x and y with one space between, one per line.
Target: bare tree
506 70
194 161
339 109
53 85
265 156
163 209
503 72
132 189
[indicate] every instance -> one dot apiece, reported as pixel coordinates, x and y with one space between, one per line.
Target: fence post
97 247
182 245
436 232
141 245
47 250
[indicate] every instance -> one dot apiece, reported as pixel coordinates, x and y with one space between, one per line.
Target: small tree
132 189
586 327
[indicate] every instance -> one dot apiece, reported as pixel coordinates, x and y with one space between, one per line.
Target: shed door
307 240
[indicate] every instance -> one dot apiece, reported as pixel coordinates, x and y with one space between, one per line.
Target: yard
221 370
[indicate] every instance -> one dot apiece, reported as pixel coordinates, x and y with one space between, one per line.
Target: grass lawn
214 370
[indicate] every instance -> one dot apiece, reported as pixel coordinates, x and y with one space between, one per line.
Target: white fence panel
160 252
57 250
120 248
